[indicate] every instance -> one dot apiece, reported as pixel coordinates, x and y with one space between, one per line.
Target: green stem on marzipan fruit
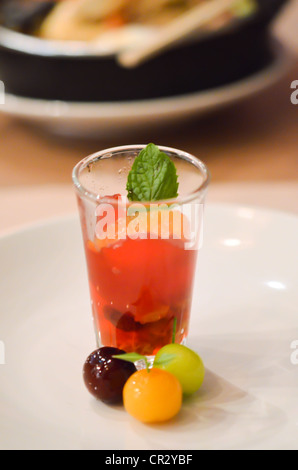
174 331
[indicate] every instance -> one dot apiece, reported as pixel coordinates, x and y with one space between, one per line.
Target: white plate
243 324
98 119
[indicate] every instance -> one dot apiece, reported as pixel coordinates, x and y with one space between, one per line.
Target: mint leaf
153 176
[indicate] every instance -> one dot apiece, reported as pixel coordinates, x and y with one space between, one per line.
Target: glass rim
199 164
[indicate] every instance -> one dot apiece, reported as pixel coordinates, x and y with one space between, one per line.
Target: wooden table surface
255 140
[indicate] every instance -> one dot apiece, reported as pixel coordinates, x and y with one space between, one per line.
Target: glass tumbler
141 256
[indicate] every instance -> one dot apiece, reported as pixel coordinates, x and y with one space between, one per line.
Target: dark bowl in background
32 67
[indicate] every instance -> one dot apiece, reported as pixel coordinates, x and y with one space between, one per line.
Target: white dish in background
243 323
101 119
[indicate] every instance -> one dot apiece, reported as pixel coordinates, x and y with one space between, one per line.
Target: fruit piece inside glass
141 263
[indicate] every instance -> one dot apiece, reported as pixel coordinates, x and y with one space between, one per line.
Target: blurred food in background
89 20
70 50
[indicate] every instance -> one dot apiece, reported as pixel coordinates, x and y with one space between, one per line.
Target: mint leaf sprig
153 176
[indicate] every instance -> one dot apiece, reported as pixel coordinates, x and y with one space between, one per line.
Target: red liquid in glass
138 288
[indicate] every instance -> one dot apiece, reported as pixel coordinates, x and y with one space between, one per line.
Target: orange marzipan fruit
153 396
